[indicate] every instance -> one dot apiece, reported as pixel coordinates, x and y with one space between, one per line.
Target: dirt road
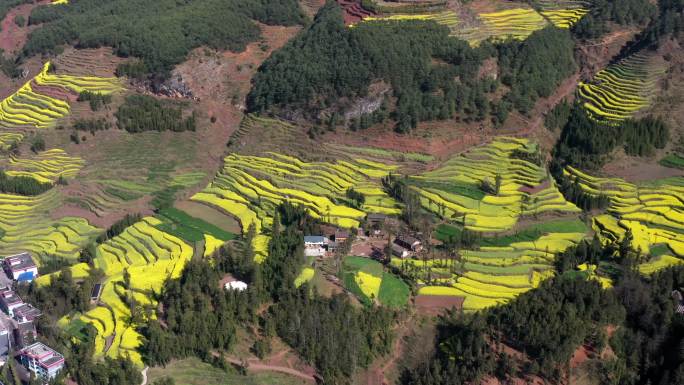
257 367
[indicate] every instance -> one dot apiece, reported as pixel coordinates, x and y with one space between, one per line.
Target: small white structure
236 285
315 245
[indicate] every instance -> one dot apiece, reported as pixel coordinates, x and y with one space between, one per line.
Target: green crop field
367 279
673 160
189 228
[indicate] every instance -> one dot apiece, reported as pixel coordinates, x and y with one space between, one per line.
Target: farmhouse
26 313
399 251
15 307
9 301
409 243
42 360
341 236
376 220
315 245
20 267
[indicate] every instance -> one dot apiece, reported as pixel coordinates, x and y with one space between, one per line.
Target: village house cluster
17 329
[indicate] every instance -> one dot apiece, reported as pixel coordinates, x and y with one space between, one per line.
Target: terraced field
39 103
249 188
26 108
447 18
150 256
46 167
564 13
7 139
516 23
622 89
490 275
453 191
502 25
652 212
27 226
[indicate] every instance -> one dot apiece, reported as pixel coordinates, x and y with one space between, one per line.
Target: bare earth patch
12 36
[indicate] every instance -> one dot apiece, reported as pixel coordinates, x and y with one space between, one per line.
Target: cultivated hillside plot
44 99
453 191
622 89
502 25
652 212
27 226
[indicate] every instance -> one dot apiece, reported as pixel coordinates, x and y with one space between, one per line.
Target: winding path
256 367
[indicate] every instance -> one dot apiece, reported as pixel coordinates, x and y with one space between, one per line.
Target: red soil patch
311 7
427 139
12 36
533 190
221 81
55 92
634 169
435 304
353 11
580 356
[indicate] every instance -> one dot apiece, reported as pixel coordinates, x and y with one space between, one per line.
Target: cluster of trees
8 66
587 144
636 319
141 113
622 12
119 226
6 5
558 116
331 333
22 185
357 198
398 188
62 296
574 193
535 67
200 318
95 99
165 31
329 62
547 324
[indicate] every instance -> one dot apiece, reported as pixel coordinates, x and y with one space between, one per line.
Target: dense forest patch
160 32
432 75
549 323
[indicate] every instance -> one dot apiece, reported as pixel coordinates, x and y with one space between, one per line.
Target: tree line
588 144
22 185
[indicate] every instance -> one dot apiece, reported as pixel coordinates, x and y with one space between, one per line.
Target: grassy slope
194 372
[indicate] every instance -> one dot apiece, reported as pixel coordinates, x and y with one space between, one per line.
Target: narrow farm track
257 367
